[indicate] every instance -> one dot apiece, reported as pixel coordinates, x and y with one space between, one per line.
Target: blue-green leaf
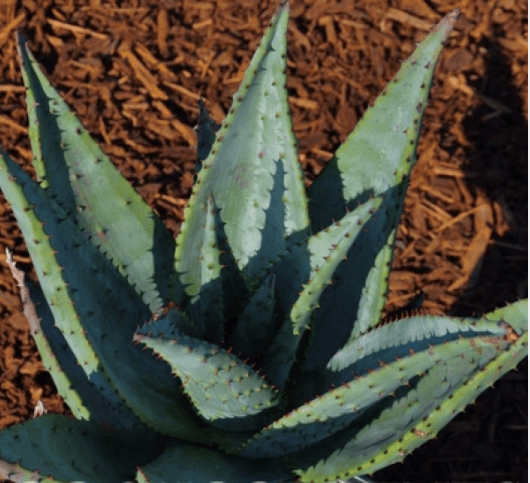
71 450
252 170
224 390
84 182
182 462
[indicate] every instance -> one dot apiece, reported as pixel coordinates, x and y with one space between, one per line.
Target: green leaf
380 152
203 465
206 308
297 296
398 338
384 344
82 395
515 315
92 192
252 170
336 409
375 159
417 413
97 311
206 129
71 450
224 390
256 326
41 221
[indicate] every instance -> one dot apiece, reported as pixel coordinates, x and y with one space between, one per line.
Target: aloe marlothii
252 349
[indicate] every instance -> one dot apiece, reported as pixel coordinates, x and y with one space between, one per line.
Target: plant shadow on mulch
462 241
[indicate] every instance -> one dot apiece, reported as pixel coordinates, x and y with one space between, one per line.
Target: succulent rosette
252 347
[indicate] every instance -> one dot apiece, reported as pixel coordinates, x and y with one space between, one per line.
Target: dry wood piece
11 88
305 103
12 25
13 125
182 90
403 17
472 260
56 24
142 73
150 59
162 31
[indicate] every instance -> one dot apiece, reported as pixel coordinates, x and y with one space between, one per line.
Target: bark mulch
134 70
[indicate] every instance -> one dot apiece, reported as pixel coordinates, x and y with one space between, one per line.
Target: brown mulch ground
133 71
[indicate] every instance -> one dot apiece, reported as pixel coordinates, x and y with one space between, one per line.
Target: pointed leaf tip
447 24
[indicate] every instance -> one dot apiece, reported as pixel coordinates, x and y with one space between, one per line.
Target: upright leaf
375 159
84 182
252 170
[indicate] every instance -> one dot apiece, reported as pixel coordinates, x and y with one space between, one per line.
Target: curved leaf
417 415
224 390
203 465
71 450
97 311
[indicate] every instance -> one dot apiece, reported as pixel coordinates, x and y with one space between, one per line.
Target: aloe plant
252 347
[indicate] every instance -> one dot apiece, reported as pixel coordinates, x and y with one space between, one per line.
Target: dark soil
133 71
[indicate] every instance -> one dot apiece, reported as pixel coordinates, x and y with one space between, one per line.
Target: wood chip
76 29
142 73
